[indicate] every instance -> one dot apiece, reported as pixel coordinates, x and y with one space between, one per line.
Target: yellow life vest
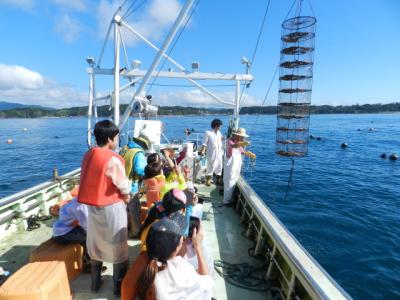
128 155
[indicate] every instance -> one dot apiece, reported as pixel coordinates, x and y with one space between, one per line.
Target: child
71 226
105 188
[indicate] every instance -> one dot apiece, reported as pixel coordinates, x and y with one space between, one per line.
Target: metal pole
156 61
116 69
237 104
176 64
90 109
94 97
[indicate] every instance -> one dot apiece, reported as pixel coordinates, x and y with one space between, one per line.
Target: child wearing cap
174 201
167 275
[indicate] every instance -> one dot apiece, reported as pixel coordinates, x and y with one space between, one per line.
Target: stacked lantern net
295 85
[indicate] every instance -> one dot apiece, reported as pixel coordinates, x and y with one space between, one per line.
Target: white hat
240 132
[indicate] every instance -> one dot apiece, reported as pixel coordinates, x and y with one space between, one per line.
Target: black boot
220 181
119 271
95 273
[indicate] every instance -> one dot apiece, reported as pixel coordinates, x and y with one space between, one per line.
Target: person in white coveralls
215 152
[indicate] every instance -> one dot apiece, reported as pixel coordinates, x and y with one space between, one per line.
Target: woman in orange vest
105 188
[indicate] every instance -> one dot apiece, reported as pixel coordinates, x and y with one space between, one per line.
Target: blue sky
44 44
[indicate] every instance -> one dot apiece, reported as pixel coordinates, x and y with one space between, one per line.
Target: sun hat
143 141
240 132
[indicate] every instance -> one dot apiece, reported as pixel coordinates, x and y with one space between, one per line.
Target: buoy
9 141
393 156
344 145
318 138
383 155
358 129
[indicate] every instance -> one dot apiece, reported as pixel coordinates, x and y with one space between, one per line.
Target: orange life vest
95 187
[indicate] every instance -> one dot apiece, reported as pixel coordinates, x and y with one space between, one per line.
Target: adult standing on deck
233 162
105 188
135 162
215 152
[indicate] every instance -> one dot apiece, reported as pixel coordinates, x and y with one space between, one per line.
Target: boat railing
16 208
294 270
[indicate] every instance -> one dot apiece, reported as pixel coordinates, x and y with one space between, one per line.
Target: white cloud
19 77
24 4
69 28
77 5
151 22
197 98
21 85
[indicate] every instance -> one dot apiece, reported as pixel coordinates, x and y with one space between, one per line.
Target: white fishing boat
265 262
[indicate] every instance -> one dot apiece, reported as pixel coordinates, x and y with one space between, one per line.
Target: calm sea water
343 206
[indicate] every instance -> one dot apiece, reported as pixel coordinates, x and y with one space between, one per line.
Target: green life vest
128 154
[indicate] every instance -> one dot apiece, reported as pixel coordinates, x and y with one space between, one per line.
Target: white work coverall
232 169
215 152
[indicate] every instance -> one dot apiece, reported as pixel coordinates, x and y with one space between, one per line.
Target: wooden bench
37 281
71 255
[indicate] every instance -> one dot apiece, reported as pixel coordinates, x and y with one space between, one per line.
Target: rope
311 8
289 183
32 221
243 275
290 10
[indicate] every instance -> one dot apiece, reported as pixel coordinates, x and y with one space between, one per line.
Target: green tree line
104 111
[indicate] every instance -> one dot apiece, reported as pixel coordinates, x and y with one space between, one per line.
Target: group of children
98 219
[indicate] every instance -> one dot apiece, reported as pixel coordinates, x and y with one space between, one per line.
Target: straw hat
240 132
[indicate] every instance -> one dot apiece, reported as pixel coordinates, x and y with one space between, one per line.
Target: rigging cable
265 99
311 8
241 101
173 46
132 9
276 70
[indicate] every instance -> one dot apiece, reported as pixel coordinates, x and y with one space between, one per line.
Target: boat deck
222 237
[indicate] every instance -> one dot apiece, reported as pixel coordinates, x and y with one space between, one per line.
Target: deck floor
222 237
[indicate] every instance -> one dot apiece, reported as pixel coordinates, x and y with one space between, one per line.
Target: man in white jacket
215 152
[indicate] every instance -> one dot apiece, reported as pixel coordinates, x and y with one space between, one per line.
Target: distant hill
103 111
9 105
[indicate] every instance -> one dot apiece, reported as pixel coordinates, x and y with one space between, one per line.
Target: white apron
232 168
107 234
214 153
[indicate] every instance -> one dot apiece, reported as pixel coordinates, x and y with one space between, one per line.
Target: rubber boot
219 180
95 274
208 180
119 271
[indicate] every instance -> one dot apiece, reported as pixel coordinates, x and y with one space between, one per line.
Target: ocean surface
343 205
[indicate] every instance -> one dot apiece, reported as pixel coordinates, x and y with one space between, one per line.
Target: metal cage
295 86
